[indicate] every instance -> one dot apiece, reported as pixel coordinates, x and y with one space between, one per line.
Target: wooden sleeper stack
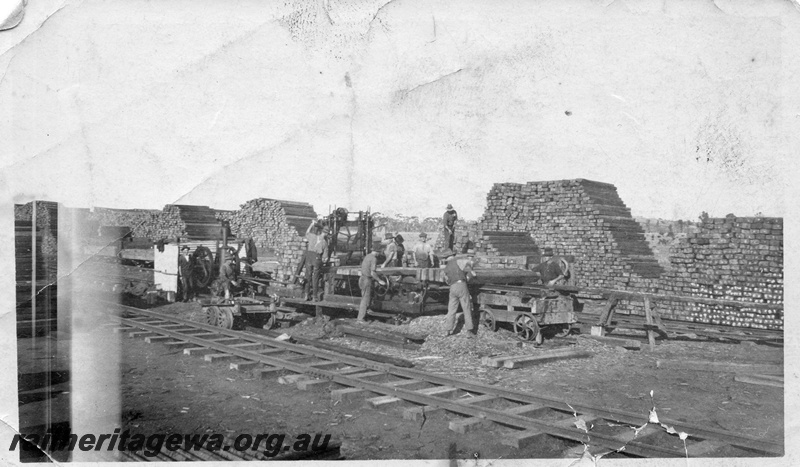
277 227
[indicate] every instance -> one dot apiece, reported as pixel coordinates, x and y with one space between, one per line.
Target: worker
185 270
394 252
317 255
228 276
457 278
369 266
390 251
311 238
423 252
449 219
555 271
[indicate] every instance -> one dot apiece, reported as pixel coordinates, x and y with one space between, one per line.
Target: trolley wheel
564 331
211 315
219 317
225 318
488 320
381 290
527 328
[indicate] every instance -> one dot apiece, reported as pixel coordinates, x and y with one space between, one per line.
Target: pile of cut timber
173 221
181 221
579 218
731 258
276 226
131 218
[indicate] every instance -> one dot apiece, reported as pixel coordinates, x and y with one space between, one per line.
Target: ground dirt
165 391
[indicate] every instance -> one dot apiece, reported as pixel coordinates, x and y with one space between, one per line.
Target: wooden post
33 270
649 316
608 312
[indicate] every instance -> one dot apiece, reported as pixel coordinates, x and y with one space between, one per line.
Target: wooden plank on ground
723 367
764 380
539 360
499 360
627 343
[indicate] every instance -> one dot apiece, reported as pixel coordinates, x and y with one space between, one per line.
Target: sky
402 107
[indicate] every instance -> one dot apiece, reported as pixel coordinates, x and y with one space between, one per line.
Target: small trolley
530 310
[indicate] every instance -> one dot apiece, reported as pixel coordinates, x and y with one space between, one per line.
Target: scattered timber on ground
763 380
724 367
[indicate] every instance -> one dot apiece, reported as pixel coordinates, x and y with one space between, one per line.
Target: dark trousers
313 269
187 284
449 238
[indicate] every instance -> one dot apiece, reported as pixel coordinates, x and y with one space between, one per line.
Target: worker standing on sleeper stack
456 278
449 219
423 252
369 266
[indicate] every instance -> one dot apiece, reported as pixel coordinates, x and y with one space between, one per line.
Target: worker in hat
555 271
228 276
312 232
457 278
185 270
449 220
369 266
318 255
394 252
423 252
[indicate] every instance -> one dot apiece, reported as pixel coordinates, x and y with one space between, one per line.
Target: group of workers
392 250
244 253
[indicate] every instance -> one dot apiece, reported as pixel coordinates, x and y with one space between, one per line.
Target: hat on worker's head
184 247
423 235
447 253
388 236
449 206
399 238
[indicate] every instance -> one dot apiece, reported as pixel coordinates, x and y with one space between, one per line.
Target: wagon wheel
527 329
225 318
212 313
382 290
564 331
487 319
203 266
220 317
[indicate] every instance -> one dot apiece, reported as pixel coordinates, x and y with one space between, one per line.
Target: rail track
522 417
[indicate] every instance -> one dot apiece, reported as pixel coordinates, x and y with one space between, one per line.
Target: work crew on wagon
423 252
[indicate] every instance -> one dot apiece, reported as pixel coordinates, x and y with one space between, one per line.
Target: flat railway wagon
502 296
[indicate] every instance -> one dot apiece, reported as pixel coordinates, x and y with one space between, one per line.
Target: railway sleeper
386 401
465 425
215 357
416 413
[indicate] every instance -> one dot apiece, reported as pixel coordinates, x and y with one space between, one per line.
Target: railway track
522 417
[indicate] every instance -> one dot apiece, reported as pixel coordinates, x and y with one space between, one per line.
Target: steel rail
500 416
